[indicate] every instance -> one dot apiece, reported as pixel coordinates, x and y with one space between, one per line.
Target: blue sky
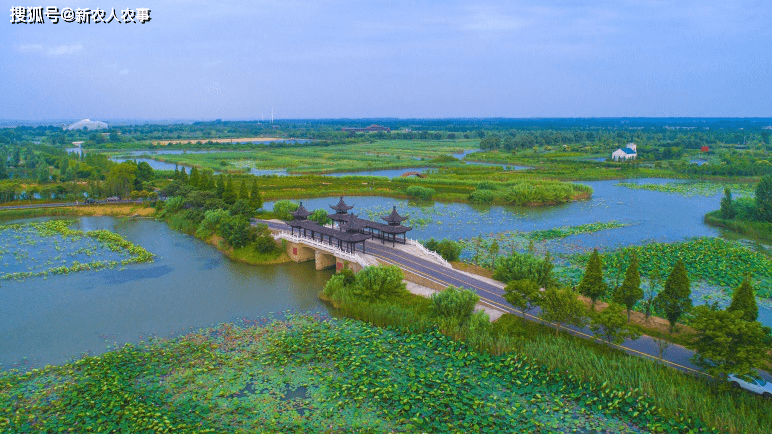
330 59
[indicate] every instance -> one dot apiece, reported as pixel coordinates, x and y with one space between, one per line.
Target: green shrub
454 303
448 249
264 244
423 193
320 216
486 185
237 231
211 221
334 285
243 208
283 208
519 266
482 196
379 282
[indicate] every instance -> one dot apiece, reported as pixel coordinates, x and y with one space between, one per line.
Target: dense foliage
455 303
448 249
519 266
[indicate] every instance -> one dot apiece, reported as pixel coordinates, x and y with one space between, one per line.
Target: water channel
190 285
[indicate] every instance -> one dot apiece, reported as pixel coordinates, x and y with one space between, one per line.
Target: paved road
493 296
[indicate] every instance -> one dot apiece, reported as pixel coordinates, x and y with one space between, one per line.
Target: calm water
190 285
654 216
389 173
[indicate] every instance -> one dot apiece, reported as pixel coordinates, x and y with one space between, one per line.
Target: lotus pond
51 247
308 374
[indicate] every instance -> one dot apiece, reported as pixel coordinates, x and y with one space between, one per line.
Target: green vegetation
448 249
309 375
752 218
62 250
728 344
744 300
690 189
454 303
630 292
714 261
199 205
592 284
562 306
566 231
519 266
418 192
675 298
611 326
681 398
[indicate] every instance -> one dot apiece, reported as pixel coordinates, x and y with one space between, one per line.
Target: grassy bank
752 229
118 210
679 397
247 254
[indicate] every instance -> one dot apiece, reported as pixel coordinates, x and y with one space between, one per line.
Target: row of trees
727 341
205 205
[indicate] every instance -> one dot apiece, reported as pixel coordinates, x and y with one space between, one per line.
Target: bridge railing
351 257
428 252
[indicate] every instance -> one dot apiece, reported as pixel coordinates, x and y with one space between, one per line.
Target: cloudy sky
229 59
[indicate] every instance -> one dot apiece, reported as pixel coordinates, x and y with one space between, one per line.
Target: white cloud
124 71
65 50
59 50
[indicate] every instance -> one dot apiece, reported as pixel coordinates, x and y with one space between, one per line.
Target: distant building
87 124
629 152
705 149
370 129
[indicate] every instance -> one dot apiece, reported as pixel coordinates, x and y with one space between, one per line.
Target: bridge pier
300 253
323 260
341 263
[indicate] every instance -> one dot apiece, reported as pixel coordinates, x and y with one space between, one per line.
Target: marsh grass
681 397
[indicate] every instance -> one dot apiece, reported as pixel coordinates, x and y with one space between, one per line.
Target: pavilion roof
301 213
354 224
341 207
334 233
394 218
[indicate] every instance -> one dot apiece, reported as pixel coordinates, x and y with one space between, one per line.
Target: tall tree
764 198
254 197
592 284
727 344
743 299
563 307
229 193
195 178
220 185
630 291
243 192
522 294
728 210
674 299
3 169
610 325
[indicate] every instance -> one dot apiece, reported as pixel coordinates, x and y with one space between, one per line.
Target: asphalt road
493 296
